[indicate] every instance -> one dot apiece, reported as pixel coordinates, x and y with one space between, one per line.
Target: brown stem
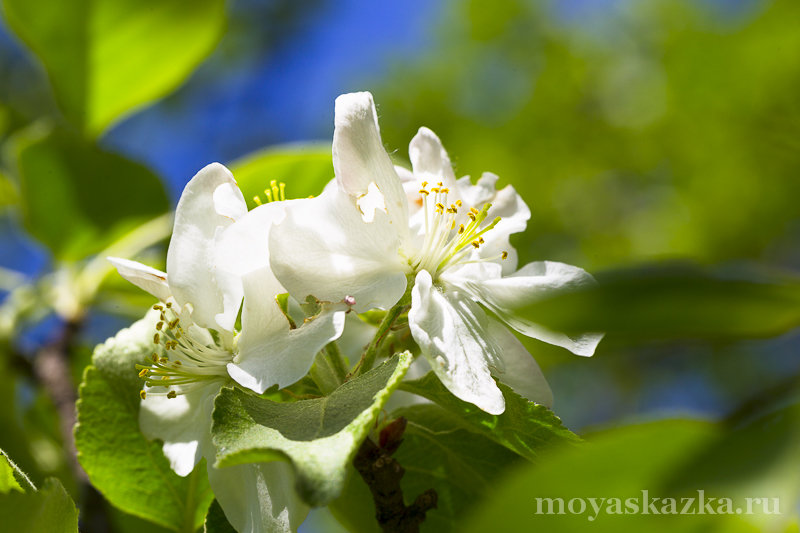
382 474
51 368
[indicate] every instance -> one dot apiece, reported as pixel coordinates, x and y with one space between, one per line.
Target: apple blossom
378 228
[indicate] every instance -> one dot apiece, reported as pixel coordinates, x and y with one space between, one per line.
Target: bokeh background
638 131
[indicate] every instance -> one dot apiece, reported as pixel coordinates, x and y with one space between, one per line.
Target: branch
51 368
382 474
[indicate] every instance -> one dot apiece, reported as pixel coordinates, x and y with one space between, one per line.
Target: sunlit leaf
108 57
129 470
319 437
620 463
305 169
8 475
24 508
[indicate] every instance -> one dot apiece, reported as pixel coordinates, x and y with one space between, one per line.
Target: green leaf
305 169
77 198
438 453
525 427
215 520
129 470
107 57
8 476
672 302
619 463
49 509
758 458
319 437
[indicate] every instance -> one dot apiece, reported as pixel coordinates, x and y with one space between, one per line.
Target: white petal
271 353
520 370
183 423
359 157
211 201
258 497
451 332
242 248
506 204
530 283
145 277
323 248
431 163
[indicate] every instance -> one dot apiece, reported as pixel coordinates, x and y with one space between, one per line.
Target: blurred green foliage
655 129
107 57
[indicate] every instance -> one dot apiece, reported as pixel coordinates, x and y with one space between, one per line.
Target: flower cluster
419 244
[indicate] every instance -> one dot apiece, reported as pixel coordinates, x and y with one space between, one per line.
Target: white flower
218 256
378 226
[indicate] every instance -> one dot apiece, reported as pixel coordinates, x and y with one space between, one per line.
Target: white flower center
183 358
448 242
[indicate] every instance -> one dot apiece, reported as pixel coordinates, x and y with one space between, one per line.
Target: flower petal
145 277
530 283
520 371
243 247
183 423
359 158
210 201
323 248
258 497
431 163
271 353
506 204
451 332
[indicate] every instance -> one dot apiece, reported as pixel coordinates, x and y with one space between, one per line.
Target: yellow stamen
142 394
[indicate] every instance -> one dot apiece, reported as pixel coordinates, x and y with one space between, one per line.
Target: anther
172 394
163 361
424 183
144 372
159 326
476 244
423 191
154 357
460 229
504 255
169 305
142 394
156 338
158 307
174 323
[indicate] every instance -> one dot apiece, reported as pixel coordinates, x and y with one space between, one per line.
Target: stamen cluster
180 359
444 245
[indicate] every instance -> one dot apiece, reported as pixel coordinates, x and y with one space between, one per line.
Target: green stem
189 511
334 357
371 353
329 371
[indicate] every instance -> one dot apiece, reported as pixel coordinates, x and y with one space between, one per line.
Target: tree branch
382 474
51 368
